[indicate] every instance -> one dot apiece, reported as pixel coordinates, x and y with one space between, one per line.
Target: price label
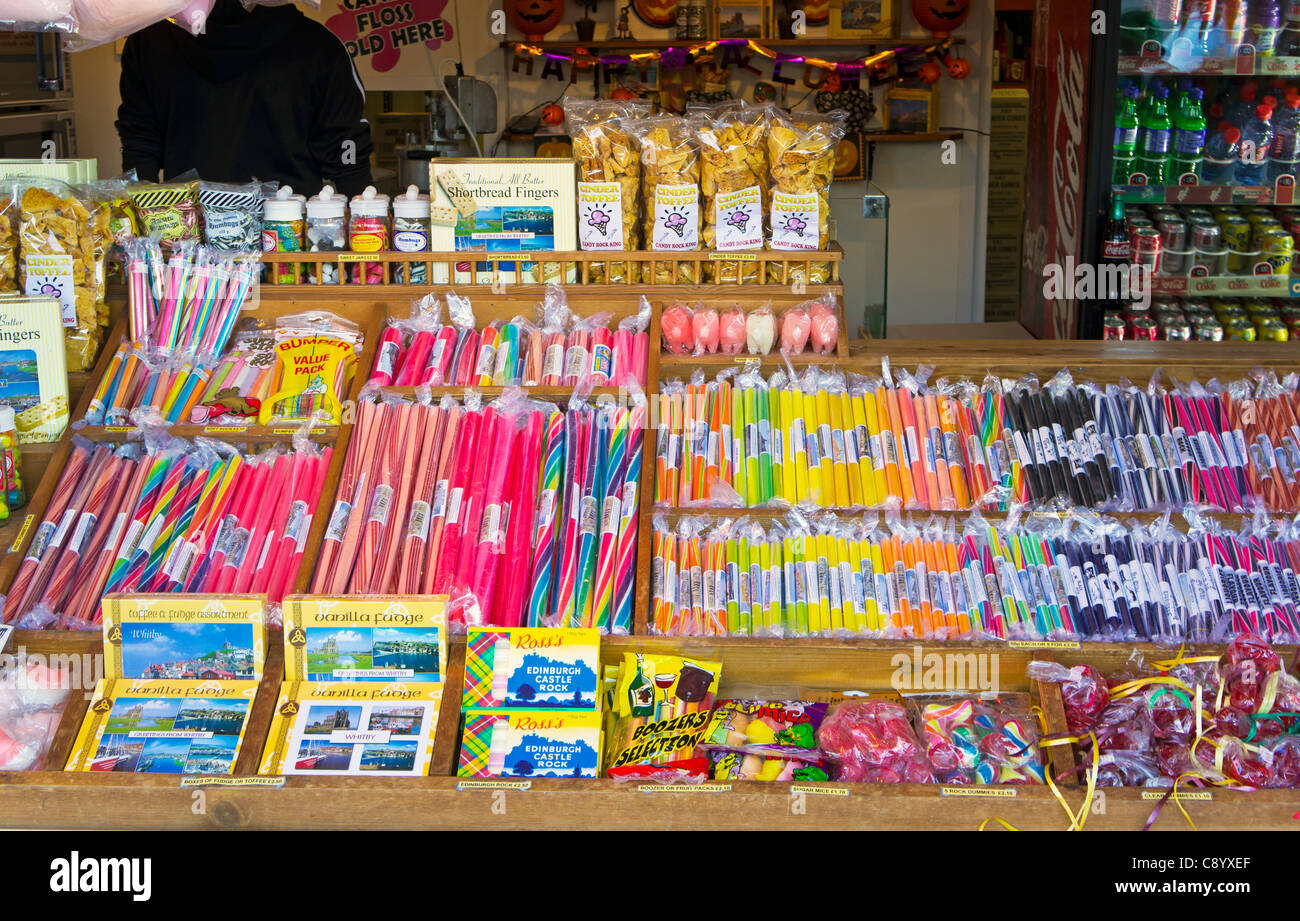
5 633
811 790
994 792
469 785
1196 795
1043 644
22 533
273 783
684 788
216 429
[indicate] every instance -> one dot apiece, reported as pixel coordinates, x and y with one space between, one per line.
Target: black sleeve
340 142
138 124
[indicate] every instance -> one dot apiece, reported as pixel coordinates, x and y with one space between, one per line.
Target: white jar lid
328 204
370 203
284 207
412 204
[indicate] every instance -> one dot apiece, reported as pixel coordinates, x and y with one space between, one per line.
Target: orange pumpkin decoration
832 83
931 72
940 16
552 115
622 93
554 148
535 18
958 68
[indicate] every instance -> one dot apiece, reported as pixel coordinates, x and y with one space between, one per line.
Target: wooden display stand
52 798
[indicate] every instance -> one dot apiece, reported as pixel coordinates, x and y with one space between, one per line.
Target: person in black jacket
264 93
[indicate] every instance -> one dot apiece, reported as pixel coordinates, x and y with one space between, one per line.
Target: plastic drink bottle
1230 30
1256 143
1189 135
1242 108
1221 153
1126 135
1263 23
1284 158
1154 138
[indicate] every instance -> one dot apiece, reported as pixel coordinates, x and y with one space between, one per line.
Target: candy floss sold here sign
378 31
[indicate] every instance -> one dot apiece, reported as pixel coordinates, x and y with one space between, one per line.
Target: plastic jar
14 495
283 231
368 232
327 230
411 227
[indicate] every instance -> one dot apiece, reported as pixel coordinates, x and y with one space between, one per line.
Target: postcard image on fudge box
372 638
185 637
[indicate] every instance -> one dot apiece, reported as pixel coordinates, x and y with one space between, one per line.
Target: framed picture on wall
740 19
863 18
912 111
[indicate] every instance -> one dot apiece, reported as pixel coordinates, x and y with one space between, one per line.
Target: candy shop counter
54 799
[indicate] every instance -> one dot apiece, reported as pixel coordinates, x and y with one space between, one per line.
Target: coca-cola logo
1066 173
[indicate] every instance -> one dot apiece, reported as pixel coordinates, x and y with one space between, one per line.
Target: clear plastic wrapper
38 16
670 186
760 330
872 741
169 210
606 153
67 229
801 152
32 698
232 214
9 220
100 21
734 179
732 331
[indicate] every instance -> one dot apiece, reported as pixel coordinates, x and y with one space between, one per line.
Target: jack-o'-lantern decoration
931 72
552 115
940 16
535 18
958 68
622 93
832 83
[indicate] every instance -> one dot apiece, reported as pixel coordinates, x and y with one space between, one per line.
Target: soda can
1166 304
1113 328
1251 304
1196 307
1289 311
1278 250
1208 331
1294 327
1177 331
1229 314
1271 331
1145 329
1240 330
1235 234
1173 246
1133 312
1264 313
1147 249
1260 230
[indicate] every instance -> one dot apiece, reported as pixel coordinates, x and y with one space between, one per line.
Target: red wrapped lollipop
872 741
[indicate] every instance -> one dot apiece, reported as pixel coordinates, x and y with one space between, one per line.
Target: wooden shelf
904 137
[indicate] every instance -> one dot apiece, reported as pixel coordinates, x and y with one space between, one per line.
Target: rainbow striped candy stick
148 500
547 507
590 519
602 607
627 533
577 431
155 574
161 527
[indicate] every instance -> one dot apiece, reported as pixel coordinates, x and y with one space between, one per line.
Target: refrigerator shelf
1281 194
1242 65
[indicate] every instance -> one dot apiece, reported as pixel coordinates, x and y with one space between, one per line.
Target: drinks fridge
1168 139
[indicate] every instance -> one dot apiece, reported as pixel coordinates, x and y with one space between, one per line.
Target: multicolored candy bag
734 765
984 742
662 708
779 728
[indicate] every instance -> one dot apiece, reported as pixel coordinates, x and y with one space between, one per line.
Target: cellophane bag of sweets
609 179
670 184
801 153
63 237
733 177
8 239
